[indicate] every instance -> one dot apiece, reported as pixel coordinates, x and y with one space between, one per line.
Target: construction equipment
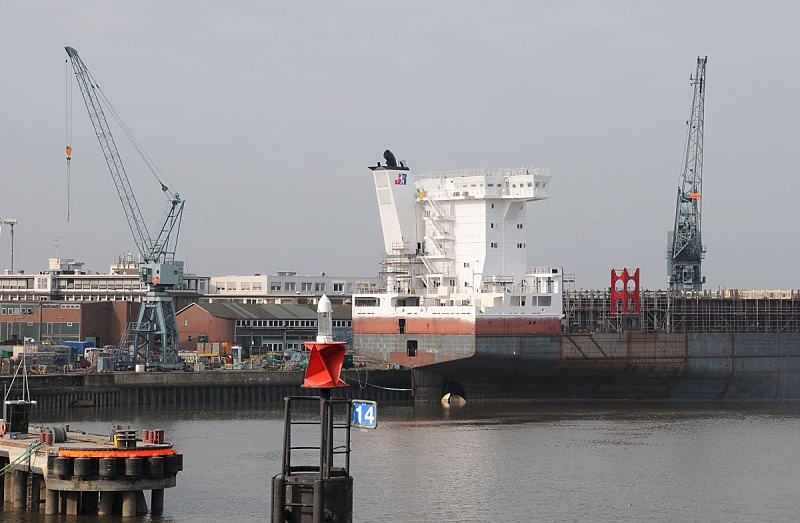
155 333
685 249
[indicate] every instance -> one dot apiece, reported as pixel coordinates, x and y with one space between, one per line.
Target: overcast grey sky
265 115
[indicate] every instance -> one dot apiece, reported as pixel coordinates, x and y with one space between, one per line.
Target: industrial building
54 323
287 287
67 280
258 328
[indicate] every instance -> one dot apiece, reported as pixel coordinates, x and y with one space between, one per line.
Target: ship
461 308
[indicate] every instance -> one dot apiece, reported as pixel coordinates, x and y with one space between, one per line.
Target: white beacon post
324 320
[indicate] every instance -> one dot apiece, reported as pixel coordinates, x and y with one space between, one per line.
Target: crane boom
685 250
130 206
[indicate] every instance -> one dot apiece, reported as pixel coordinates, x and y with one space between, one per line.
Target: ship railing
509 171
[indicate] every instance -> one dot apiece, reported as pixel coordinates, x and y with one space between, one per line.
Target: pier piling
71 502
129 504
106 506
36 491
20 488
51 502
157 501
141 503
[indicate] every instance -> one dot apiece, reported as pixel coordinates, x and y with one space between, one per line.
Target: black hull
627 366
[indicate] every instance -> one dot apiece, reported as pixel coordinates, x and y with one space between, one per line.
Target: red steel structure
626 296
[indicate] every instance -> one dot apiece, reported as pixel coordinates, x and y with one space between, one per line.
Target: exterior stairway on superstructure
439 222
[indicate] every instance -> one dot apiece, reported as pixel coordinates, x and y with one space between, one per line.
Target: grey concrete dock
86 473
241 387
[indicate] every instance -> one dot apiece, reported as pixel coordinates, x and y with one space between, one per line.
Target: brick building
56 322
258 328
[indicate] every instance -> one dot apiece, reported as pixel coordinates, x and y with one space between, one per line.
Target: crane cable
151 165
363 385
149 162
68 127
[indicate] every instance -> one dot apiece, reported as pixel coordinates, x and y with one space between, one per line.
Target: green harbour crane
153 338
685 249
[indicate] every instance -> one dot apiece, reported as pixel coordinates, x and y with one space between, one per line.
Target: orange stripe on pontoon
121 453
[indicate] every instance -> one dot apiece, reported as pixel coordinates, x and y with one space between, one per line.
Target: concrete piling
106 506
157 501
51 504
20 488
72 502
129 504
141 503
36 491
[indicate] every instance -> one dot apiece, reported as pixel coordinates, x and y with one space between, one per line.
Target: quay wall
188 389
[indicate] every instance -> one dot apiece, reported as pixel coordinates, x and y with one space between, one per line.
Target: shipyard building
262 313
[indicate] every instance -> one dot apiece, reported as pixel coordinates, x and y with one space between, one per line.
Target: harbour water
499 462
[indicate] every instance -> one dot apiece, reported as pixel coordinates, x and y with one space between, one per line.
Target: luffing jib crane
155 333
685 250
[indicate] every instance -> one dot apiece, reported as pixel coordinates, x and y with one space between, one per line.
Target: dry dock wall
127 389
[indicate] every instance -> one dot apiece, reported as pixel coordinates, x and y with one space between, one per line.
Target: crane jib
153 250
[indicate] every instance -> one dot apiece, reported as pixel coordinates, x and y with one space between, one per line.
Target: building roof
268 311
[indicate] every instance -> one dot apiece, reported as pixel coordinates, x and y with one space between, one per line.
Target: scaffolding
729 311
401 270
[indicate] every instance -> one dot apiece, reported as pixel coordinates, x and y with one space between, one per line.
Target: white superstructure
460 238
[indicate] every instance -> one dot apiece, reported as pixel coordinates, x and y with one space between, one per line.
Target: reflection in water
499 462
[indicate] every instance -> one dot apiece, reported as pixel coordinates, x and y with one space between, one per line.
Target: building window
307 286
492 206
289 285
319 287
519 226
366 302
256 285
338 287
275 286
245 285
493 245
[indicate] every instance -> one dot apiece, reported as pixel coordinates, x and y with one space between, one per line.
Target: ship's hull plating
491 362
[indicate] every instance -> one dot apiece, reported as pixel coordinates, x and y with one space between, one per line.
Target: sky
264 116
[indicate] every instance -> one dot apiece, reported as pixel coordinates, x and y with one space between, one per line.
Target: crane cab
168 274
